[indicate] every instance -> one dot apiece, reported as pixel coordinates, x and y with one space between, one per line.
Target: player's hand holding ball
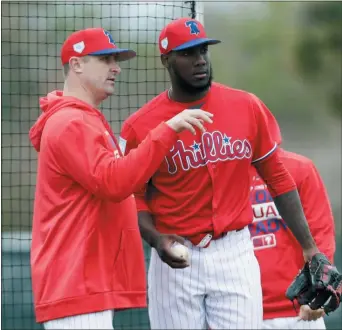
180 251
172 251
190 119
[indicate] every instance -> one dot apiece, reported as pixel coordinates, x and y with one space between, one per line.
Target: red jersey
203 183
279 254
87 253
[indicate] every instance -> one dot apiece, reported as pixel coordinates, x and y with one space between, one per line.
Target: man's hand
307 314
189 119
309 253
163 247
318 285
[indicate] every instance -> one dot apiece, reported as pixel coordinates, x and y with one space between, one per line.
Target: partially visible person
279 255
87 257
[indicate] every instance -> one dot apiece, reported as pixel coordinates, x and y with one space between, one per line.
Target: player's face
191 69
99 74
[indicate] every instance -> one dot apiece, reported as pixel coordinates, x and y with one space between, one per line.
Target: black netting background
32 34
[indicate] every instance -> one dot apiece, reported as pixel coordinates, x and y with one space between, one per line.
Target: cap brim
197 42
122 54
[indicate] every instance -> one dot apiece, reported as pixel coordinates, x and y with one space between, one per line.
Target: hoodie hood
49 105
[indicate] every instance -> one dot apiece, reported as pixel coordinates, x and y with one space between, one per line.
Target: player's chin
109 90
200 82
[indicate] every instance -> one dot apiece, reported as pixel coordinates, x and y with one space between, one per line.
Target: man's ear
165 60
76 64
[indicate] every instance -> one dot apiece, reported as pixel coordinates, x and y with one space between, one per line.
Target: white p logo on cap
164 43
79 47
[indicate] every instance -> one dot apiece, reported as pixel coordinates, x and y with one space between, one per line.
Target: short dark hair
66 69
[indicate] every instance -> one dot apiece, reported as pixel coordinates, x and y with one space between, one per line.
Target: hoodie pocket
129 272
98 263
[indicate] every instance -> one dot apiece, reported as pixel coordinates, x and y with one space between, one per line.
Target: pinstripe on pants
221 289
98 320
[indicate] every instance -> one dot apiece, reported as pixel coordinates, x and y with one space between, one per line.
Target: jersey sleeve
82 154
273 171
127 142
318 212
264 144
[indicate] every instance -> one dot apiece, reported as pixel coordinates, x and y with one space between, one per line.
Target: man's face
191 68
99 74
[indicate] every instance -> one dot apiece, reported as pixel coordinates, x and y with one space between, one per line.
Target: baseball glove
318 284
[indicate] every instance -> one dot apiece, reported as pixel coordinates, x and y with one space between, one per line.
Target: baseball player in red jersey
87 257
279 254
199 196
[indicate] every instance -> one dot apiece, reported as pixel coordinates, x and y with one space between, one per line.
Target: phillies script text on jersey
213 146
203 184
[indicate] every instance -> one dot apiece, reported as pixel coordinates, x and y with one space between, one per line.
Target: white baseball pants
221 289
98 320
293 323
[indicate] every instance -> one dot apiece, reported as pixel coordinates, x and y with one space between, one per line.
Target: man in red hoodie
278 252
87 256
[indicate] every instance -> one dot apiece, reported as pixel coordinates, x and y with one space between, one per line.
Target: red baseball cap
183 33
92 41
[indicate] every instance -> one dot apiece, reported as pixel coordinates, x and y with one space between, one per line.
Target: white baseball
180 251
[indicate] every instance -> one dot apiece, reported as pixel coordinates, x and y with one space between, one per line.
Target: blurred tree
319 46
258 54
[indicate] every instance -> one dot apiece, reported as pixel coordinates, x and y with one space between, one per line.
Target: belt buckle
205 241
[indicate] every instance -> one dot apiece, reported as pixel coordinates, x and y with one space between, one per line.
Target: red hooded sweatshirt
278 252
87 253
